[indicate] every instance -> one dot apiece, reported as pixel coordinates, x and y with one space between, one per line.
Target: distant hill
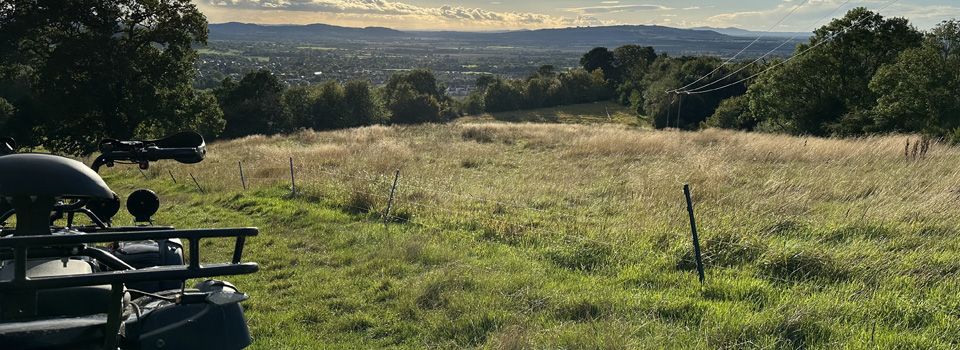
750 33
255 32
673 40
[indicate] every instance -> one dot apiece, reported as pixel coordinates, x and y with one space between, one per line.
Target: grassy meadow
604 112
564 236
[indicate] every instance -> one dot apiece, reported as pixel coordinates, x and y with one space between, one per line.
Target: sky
476 15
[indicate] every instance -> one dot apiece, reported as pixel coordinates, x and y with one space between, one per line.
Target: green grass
587 113
516 236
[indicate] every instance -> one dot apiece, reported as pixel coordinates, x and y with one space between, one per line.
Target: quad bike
100 286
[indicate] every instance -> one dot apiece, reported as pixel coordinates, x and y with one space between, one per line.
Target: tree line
70 77
860 74
79 72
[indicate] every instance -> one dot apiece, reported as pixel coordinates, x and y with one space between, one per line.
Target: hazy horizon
472 15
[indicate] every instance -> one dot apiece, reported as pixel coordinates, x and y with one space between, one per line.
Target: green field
563 236
588 113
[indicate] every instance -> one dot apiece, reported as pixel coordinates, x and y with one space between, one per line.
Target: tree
824 89
473 104
363 107
298 102
580 86
546 71
733 113
655 103
252 105
502 96
631 60
6 111
483 81
536 93
918 92
408 94
90 69
411 107
600 58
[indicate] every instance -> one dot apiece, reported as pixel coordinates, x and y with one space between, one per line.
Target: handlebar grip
185 155
185 147
7 145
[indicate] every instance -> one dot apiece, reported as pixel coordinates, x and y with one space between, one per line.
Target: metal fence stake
386 215
242 180
693 228
293 182
198 184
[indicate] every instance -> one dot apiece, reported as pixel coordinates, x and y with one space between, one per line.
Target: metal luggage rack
21 246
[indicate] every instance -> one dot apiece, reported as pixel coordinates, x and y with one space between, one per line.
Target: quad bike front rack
20 294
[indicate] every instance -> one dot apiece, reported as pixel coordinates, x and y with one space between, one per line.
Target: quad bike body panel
105 287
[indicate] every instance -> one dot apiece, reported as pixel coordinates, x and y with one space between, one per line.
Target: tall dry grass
613 172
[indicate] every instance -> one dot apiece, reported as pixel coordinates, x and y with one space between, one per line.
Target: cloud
925 12
349 11
808 16
616 8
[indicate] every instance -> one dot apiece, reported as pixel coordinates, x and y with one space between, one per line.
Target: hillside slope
514 236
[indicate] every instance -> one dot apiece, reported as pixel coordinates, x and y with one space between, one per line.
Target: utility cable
771 67
744 49
768 52
831 38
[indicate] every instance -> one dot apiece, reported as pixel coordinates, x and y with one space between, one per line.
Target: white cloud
924 12
616 8
389 12
808 15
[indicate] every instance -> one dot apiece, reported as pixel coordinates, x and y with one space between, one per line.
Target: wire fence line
542 223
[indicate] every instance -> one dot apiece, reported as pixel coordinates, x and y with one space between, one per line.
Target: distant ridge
254 32
668 39
750 33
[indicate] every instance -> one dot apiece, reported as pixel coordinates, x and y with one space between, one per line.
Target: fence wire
446 219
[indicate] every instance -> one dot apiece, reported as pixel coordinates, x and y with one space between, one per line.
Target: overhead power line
745 48
824 41
828 39
768 52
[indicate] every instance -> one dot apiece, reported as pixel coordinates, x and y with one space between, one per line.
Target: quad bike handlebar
185 147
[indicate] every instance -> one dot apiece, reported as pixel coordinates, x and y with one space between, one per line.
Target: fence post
386 215
171 176
293 182
693 228
198 184
242 181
